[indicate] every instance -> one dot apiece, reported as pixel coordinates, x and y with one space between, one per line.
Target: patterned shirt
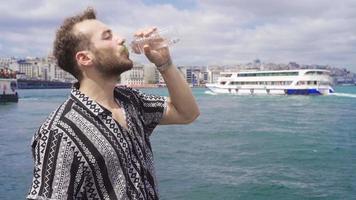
81 152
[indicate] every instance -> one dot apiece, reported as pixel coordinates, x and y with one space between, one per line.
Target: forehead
91 27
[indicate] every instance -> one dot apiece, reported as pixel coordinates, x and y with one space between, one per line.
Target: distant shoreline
42 84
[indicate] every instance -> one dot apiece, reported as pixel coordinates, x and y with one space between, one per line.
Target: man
96 145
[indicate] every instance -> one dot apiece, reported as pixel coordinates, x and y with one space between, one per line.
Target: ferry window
226 75
312 82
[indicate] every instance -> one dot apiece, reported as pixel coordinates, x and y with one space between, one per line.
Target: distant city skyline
221 32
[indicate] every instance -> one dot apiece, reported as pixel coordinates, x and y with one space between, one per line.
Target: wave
28 99
343 95
210 92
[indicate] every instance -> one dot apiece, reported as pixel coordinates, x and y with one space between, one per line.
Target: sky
211 32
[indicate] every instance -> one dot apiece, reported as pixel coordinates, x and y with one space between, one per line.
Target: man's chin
126 66
129 64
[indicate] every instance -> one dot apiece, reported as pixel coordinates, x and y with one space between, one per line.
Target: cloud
212 32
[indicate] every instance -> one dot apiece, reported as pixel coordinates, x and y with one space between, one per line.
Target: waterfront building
135 76
194 75
150 74
187 73
157 76
4 62
198 77
26 68
213 74
10 63
42 69
205 77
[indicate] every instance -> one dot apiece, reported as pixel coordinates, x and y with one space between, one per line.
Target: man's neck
100 90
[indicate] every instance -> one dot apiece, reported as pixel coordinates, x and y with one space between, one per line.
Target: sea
240 147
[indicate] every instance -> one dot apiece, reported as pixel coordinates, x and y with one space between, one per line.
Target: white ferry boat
284 82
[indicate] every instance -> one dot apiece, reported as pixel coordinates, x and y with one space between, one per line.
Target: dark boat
8 87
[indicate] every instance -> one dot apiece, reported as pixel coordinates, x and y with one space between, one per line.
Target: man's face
111 57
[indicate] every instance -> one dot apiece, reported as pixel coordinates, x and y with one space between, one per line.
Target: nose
120 40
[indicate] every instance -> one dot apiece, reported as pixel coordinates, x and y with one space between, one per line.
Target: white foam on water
210 92
29 99
343 95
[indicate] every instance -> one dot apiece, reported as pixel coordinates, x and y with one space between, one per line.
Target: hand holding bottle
154 44
155 38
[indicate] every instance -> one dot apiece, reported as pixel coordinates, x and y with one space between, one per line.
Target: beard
109 64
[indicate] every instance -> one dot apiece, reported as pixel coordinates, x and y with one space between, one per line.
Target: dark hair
67 43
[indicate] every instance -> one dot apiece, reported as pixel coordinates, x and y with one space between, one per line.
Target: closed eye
107 35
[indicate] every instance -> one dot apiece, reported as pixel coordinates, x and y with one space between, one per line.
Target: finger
135 49
139 33
154 29
147 50
149 31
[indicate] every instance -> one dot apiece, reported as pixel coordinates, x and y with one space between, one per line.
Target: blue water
241 147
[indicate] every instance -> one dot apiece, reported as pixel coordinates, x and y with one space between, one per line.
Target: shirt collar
86 101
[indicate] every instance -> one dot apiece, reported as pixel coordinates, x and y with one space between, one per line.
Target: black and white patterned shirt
81 152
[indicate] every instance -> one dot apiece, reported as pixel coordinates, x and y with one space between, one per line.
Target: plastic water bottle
160 38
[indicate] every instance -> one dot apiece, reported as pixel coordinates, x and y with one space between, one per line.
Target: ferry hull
270 91
275 82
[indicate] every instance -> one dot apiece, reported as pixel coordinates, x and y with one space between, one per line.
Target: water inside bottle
157 40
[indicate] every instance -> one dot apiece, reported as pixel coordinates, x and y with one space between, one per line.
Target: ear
84 58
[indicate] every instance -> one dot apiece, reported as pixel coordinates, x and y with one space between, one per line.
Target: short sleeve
153 107
51 155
